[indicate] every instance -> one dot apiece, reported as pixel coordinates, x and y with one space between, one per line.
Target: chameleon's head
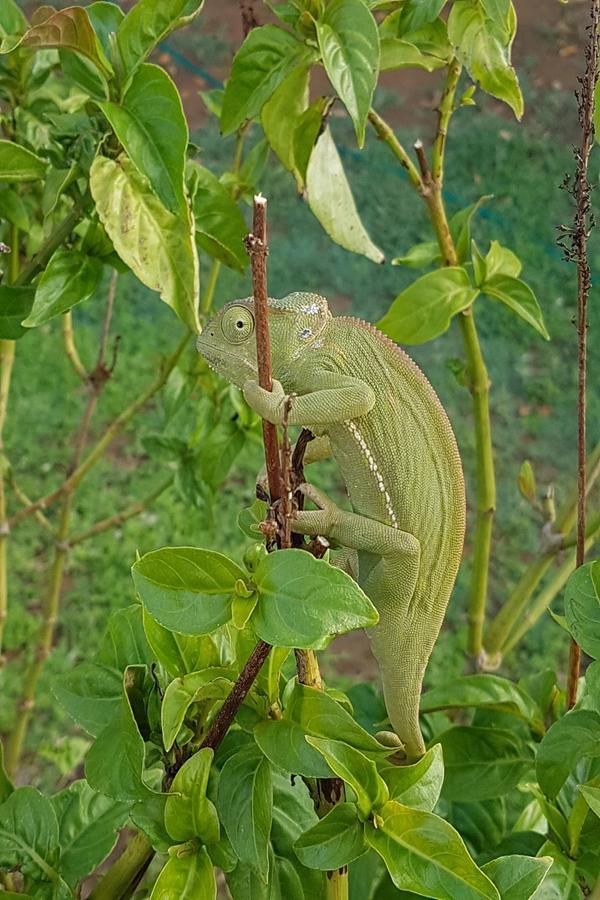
228 341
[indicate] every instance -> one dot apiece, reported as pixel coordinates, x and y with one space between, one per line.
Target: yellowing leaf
69 29
157 245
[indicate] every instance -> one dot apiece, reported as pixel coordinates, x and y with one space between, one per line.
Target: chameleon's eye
237 324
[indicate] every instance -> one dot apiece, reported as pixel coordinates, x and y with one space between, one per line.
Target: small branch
52 243
209 291
26 501
423 163
70 346
445 111
574 243
385 133
126 871
110 303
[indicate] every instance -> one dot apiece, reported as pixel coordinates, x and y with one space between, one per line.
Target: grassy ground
533 398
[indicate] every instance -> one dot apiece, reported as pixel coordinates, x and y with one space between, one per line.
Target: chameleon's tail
402 656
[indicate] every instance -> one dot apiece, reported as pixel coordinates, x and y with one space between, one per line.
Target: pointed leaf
69 278
334 841
28 833
245 804
418 785
574 737
208 684
487 691
179 653
519 297
582 607
419 256
189 813
482 762
91 694
186 876
284 743
15 305
220 226
281 114
157 245
147 23
517 877
69 29
356 770
19 164
500 260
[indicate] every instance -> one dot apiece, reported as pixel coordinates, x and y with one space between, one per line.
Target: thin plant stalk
70 346
125 871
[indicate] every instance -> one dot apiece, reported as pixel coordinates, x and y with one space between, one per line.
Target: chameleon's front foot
323 520
269 405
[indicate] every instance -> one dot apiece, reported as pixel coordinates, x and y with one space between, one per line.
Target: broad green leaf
425 855
208 684
519 297
69 278
284 743
331 200
281 114
149 22
13 209
69 29
425 309
547 810
419 256
356 770
124 642
349 45
334 841
414 14
220 226
249 519
106 18
582 607
482 762
188 812
304 602
517 877
500 260
322 717
83 74
562 881
91 694
120 775
88 825
149 816
396 53
481 823
574 737
489 691
180 654
460 226
15 305
482 47
418 785
158 152
187 875
264 60
157 245
309 128
28 833
245 805
12 24
293 812
186 589
19 164
591 793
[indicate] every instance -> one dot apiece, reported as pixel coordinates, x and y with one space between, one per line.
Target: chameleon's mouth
232 366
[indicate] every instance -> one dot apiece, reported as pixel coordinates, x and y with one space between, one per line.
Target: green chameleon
374 411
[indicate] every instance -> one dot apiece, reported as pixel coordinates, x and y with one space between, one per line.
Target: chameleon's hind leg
390 584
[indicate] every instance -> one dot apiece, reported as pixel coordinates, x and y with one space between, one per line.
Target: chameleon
372 409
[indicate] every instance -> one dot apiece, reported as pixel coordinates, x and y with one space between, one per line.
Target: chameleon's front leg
337 398
399 641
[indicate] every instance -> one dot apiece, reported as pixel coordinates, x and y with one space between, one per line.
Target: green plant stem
386 134
108 436
70 347
445 110
209 293
121 517
336 884
52 243
125 871
510 616
7 358
26 501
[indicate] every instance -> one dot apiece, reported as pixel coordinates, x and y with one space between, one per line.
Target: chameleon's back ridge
374 411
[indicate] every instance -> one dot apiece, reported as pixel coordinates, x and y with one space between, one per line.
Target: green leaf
591 794
69 29
88 825
245 804
331 200
483 48
220 226
481 823
83 74
69 278
208 684
526 482
120 775
124 642
419 256
460 226
399 54
334 841
264 60
281 114
157 152
156 245
582 607
304 602
349 45
19 164
12 23
6 785
425 309
188 812
15 305
147 23
12 208
562 881
310 125
418 785
106 18
517 877
91 694
487 691
186 589
519 297
482 762
187 875
356 770
322 717
29 833
179 653
502 261
283 742
574 737
414 14
425 855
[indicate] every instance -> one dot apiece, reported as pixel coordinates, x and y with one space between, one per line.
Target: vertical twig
574 244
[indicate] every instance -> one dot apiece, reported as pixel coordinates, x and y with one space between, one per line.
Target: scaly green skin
377 414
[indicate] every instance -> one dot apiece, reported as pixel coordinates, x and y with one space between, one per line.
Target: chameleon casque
374 411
